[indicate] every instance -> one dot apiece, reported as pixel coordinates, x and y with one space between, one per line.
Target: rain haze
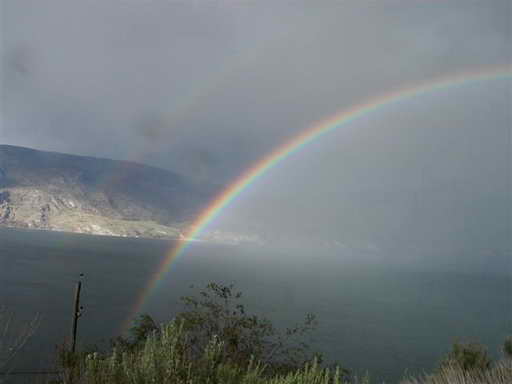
205 88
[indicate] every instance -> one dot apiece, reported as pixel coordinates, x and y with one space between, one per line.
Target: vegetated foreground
215 340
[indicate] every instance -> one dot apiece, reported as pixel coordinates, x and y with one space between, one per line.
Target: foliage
469 363
165 357
468 356
219 313
507 347
143 328
69 363
215 341
499 373
213 337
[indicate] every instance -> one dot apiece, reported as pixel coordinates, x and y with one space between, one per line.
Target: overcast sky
205 87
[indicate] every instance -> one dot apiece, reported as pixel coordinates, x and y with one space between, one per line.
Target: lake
373 315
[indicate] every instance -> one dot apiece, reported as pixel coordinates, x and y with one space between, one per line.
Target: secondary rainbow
296 143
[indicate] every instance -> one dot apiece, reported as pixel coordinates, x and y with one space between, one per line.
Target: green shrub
499 373
213 340
218 312
143 327
468 363
468 356
165 358
507 347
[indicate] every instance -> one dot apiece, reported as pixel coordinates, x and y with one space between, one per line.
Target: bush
143 328
218 313
499 373
468 363
507 347
467 356
165 358
213 340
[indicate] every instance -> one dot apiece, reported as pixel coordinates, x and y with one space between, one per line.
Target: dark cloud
206 87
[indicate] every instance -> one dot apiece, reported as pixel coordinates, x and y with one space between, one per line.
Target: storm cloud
206 87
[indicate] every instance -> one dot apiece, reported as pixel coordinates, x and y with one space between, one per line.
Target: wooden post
76 314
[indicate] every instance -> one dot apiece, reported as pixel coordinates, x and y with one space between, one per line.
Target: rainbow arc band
296 143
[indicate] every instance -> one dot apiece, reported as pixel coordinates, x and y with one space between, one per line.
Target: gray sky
205 87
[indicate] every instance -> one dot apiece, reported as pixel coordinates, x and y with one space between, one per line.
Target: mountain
55 191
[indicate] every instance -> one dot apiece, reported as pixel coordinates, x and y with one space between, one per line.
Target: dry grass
499 373
165 359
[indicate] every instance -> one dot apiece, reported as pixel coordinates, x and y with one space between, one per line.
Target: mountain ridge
84 194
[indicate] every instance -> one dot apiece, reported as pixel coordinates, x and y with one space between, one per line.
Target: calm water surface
374 316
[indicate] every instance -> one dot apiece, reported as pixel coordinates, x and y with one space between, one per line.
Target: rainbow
296 143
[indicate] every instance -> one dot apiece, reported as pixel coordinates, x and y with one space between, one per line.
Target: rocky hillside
54 191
